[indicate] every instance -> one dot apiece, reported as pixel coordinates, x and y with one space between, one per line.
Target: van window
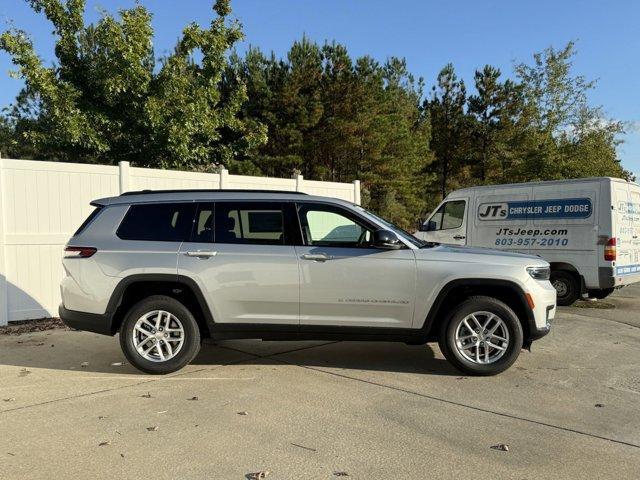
161 222
249 222
449 216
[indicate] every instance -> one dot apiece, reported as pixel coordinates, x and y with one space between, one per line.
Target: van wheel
483 336
159 335
567 287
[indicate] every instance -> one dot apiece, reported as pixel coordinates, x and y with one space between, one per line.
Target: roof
545 182
146 196
146 192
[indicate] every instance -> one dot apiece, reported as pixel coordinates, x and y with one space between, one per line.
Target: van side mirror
386 239
428 226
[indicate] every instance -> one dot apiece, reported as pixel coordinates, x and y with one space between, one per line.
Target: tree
449 125
572 138
103 101
495 110
337 118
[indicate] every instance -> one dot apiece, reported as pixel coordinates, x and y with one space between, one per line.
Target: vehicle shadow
87 352
371 356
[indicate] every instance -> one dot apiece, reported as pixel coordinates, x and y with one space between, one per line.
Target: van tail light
610 250
79 252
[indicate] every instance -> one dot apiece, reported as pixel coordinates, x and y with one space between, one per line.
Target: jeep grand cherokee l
165 269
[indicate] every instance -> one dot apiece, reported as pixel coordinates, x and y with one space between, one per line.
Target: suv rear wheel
482 336
159 335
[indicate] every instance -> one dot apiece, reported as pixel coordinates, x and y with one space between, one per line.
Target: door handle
201 253
318 257
459 237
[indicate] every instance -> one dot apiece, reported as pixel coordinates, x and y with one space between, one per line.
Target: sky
429 34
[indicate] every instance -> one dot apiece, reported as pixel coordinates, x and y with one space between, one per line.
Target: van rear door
626 230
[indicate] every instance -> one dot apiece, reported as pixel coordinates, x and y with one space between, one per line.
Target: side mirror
428 226
386 239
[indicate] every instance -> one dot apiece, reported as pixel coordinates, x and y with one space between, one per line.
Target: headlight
539 273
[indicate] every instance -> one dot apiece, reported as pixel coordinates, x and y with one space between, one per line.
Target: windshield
397 230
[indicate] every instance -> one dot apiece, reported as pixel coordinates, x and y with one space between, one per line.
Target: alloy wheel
482 337
158 336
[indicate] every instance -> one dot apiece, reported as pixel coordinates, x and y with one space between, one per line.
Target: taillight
79 252
610 250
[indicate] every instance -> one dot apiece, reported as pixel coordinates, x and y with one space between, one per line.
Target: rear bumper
610 277
89 322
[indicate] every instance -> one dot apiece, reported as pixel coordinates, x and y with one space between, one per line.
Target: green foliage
336 118
569 138
318 111
105 101
538 126
450 126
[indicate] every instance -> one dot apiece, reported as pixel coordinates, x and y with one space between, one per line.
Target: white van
587 229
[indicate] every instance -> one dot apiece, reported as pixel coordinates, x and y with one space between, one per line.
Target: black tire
601 294
447 337
187 352
567 287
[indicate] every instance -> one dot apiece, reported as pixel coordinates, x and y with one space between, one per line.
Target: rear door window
260 223
203 224
160 222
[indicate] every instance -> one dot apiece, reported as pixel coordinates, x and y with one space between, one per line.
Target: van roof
545 182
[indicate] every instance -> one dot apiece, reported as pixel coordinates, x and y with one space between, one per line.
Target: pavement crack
464 405
144 382
107 390
308 347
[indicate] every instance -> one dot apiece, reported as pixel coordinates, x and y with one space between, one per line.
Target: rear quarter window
88 220
160 222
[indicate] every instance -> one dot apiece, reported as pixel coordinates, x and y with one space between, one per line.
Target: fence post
223 177
299 181
4 304
124 176
356 192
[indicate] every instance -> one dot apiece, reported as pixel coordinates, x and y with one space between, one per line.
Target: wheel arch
564 266
456 291
133 288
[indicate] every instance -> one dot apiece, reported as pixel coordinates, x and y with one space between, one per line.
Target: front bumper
540 332
89 322
544 298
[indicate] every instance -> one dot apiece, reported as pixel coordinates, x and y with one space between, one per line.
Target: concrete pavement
321 409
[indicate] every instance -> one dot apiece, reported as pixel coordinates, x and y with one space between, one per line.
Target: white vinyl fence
43 203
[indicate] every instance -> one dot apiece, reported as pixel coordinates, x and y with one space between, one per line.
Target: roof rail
212 190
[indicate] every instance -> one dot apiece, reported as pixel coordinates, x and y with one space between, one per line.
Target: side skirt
227 331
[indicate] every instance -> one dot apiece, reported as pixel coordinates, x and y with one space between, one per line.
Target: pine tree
449 125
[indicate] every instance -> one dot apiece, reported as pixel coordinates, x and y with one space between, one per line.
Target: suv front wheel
482 336
159 335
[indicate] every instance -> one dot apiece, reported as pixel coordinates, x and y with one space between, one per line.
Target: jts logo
492 211
536 209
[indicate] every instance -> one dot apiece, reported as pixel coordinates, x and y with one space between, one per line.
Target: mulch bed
600 304
30 326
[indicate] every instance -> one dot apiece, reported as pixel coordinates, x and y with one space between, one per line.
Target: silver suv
166 269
